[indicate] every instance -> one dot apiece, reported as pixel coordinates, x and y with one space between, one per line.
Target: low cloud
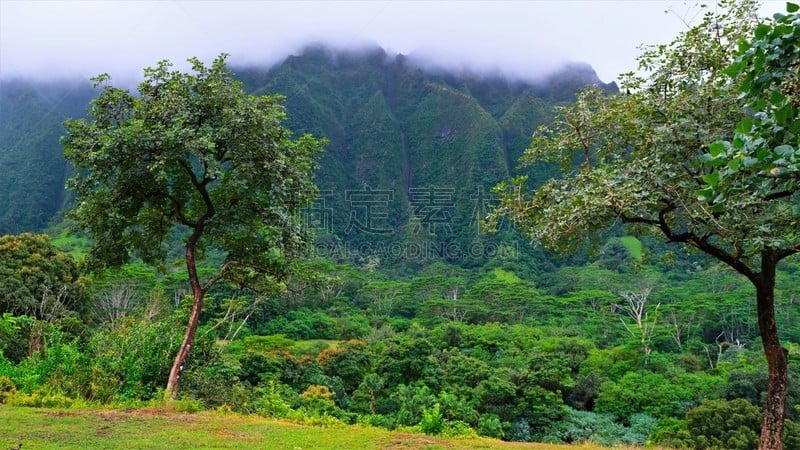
66 39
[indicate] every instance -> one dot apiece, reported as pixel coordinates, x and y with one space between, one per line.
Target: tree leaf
712 179
705 194
734 164
717 148
784 150
745 125
762 30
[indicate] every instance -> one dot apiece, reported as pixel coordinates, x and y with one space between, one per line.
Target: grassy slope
158 428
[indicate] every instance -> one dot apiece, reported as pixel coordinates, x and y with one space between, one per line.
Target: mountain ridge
429 142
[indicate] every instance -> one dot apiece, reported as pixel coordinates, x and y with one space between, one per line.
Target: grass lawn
154 428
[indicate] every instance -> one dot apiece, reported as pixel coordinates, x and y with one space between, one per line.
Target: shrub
728 424
641 428
585 426
673 433
6 388
432 420
376 420
189 405
643 392
40 398
490 425
271 403
458 428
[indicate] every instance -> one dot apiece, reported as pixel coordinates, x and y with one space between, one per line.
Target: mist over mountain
413 153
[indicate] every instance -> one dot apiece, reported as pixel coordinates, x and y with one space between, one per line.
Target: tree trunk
198 293
775 406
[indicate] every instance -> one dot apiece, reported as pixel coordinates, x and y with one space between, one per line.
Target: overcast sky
65 38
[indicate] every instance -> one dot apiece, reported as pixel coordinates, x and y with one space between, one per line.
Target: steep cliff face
413 152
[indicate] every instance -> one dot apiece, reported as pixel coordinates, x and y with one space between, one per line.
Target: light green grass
162 428
75 246
633 245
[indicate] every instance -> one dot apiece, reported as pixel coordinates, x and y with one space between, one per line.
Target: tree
192 154
724 424
36 278
644 162
759 173
635 307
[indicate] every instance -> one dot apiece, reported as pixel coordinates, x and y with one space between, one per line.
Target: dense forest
405 313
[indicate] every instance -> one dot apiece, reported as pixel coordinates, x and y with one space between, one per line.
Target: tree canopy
35 276
764 155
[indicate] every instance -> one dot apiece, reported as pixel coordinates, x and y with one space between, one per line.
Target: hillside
32 169
413 153
411 158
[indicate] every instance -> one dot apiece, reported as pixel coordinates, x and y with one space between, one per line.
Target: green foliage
406 360
490 425
633 245
131 360
724 424
8 327
585 426
41 398
34 172
432 421
271 403
37 279
190 150
764 154
648 393
7 388
349 361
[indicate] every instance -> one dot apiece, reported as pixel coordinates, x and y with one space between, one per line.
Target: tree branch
200 186
217 277
700 242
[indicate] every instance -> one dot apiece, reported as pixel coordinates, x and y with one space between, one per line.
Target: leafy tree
406 360
758 171
36 278
724 424
192 154
349 361
643 392
643 162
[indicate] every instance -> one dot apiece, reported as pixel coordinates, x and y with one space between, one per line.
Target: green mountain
413 153
412 157
32 168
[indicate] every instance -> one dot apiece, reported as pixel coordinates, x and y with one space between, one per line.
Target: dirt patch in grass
146 413
401 441
61 413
